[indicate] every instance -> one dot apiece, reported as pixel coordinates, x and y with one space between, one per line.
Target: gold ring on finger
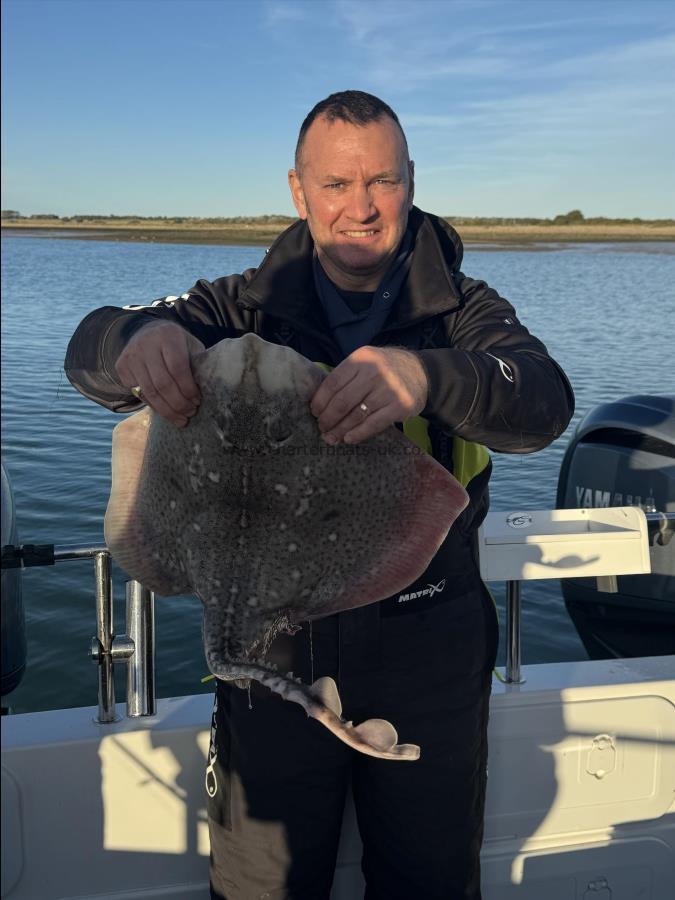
137 392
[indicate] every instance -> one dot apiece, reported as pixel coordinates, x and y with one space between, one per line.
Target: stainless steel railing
513 651
135 648
660 531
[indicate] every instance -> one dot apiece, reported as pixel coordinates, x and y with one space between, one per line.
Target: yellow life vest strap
468 459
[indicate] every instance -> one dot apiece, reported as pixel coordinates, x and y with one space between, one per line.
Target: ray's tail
321 701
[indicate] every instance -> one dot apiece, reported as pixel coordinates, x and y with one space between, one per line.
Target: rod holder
104 636
136 648
141 662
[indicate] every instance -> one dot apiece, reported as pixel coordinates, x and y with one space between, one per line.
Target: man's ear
411 185
297 193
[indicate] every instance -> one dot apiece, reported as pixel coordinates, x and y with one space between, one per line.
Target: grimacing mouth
360 233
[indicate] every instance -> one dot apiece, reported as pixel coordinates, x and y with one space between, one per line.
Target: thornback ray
248 508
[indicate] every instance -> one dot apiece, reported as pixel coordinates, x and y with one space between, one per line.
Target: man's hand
157 359
390 383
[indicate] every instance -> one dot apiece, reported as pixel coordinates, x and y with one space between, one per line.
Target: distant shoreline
504 236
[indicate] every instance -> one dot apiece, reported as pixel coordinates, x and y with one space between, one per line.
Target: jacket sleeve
208 311
497 384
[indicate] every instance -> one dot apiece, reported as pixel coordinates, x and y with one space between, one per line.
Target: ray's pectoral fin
135 529
321 701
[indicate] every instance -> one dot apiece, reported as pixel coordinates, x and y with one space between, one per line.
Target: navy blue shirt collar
352 329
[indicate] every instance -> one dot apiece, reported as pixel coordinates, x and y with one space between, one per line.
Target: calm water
606 312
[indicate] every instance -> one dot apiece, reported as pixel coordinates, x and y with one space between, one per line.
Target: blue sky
165 107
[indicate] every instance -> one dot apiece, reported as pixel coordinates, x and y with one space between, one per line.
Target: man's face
355 189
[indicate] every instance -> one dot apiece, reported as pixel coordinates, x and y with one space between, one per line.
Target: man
370 285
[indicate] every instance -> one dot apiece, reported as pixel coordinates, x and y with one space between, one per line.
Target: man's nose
360 207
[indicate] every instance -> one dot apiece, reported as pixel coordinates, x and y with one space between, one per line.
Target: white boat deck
581 796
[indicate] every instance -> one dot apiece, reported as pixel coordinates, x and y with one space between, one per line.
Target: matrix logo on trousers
428 591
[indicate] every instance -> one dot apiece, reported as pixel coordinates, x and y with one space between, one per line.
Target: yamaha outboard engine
623 454
13 624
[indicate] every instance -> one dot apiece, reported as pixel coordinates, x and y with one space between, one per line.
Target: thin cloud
416 120
280 12
637 53
365 21
410 47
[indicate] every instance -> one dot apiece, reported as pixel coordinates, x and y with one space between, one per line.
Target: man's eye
335 184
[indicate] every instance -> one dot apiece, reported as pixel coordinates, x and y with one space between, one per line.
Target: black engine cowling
13 623
623 454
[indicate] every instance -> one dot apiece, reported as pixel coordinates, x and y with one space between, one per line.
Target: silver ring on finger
364 408
137 392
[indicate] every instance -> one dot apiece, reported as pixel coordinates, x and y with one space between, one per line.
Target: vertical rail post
141 664
513 633
104 633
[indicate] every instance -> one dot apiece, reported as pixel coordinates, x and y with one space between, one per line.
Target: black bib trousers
276 780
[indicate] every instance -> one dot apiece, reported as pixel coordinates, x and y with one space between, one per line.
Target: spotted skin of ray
248 508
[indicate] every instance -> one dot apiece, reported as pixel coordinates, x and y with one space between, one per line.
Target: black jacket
490 381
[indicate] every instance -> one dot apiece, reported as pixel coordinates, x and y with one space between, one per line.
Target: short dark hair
355 107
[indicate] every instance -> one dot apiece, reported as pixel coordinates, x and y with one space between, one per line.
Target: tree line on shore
574 217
